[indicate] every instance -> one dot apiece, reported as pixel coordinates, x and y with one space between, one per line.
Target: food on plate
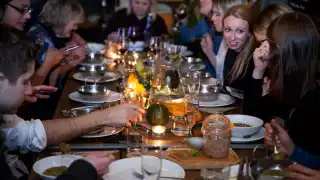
273 173
55 171
241 125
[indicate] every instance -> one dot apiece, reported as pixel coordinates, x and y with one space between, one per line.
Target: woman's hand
53 57
260 57
100 160
283 141
207 45
298 172
37 93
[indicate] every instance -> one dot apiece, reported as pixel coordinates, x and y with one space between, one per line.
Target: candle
158 130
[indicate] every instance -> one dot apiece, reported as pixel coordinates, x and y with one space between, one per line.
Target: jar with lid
216 130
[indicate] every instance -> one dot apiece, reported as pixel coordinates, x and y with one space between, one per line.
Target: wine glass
122 41
181 13
134 34
151 162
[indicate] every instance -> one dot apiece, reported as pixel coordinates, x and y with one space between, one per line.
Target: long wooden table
112 142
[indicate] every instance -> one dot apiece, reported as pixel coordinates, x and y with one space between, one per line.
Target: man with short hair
16 68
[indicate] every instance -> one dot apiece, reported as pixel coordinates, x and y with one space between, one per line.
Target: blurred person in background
141 14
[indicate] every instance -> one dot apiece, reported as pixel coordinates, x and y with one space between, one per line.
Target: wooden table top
112 142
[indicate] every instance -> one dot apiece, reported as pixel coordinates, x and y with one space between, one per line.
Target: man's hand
283 141
123 115
298 172
37 93
100 160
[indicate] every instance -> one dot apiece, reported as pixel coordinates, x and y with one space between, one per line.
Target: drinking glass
218 173
181 13
122 42
151 162
134 34
134 139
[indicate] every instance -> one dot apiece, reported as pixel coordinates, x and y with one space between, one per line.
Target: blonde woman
232 62
58 21
141 14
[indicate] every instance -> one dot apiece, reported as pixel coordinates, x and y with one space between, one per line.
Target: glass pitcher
216 130
167 90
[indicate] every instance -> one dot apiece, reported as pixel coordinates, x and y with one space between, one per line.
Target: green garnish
194 153
185 156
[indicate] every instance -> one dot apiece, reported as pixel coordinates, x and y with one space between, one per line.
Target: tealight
158 130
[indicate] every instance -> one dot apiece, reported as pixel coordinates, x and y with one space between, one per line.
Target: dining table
115 143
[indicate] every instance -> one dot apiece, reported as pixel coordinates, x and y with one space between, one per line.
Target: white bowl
195 142
242 132
95 48
53 161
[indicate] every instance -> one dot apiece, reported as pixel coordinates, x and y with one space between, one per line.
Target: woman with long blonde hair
232 63
141 14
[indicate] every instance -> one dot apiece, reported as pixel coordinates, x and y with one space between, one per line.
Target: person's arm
304 158
188 34
80 170
62 130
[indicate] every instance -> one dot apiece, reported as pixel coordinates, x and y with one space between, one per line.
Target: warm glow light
158 129
134 85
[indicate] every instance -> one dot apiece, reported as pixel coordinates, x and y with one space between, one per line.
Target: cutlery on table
140 176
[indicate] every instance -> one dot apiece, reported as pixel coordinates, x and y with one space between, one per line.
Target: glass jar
216 130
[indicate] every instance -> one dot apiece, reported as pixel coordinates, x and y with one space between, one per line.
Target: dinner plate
122 169
254 137
186 53
110 76
108 131
223 100
237 93
113 96
53 161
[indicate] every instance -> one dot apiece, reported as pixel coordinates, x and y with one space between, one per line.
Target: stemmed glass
122 42
181 13
151 162
134 34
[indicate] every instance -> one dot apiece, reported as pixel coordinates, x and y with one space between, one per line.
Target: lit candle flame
158 129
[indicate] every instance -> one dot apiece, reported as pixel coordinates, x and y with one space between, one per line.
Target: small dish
195 142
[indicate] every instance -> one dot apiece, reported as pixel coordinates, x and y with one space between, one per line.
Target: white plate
187 53
75 96
235 92
122 169
108 131
223 100
80 76
255 137
94 47
53 161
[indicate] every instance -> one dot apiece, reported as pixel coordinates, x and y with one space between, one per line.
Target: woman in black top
293 43
141 14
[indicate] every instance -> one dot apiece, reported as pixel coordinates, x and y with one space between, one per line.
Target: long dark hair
293 68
